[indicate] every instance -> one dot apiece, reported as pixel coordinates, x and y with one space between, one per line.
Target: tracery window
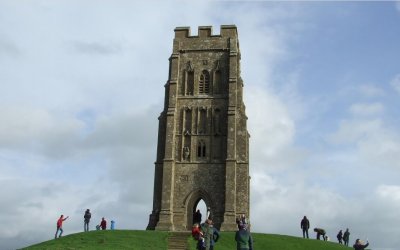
204 84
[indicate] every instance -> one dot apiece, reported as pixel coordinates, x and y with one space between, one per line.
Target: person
320 232
198 236
197 217
243 239
103 224
215 236
59 226
340 237
208 233
305 225
346 237
359 246
112 225
86 219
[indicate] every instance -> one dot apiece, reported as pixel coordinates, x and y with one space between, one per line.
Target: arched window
189 83
204 84
201 149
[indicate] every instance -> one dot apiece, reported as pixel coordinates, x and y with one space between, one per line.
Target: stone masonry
203 142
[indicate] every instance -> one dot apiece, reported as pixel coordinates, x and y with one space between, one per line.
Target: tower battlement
206 31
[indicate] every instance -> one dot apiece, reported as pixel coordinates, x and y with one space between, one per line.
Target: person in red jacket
103 224
59 225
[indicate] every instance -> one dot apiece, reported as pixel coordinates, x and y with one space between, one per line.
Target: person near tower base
243 238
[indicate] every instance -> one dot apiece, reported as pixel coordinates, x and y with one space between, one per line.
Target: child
198 235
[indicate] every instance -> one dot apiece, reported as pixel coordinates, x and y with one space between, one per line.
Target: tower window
201 149
204 84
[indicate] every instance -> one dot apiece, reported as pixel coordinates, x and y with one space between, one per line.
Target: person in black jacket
359 246
305 225
86 218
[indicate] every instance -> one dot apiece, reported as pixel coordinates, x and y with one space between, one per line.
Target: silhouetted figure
112 225
346 237
86 219
359 246
197 217
305 225
59 226
320 232
340 237
103 224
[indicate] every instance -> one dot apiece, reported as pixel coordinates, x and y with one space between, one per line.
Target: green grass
115 239
157 240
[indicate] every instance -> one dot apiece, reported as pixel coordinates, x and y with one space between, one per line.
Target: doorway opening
200 211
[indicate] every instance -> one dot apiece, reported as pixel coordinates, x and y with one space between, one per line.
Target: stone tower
203 142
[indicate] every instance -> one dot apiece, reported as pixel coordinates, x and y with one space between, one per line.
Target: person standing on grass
346 237
86 218
243 239
305 225
59 226
103 224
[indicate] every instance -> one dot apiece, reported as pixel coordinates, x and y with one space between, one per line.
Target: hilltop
140 240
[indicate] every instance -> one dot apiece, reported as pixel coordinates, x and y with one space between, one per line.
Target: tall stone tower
203 142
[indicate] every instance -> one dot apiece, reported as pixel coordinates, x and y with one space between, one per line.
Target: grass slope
157 240
115 240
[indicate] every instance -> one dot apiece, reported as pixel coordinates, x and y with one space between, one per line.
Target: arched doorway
198 200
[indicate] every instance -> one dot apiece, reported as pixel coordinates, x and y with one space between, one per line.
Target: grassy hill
156 240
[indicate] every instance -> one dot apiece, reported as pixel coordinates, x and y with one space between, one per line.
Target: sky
82 86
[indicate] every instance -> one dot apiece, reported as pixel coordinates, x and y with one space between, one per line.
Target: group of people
86 220
207 235
342 237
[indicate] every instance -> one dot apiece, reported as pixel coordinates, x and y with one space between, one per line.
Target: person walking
346 237
86 219
103 224
340 237
359 245
305 225
243 239
59 226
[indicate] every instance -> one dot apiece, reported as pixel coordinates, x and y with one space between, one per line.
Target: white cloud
367 109
397 3
370 90
395 82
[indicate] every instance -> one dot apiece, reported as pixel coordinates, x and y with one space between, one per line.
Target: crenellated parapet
206 31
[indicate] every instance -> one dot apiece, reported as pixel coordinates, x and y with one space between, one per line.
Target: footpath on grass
160 240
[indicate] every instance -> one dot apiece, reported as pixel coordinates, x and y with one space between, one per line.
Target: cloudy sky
82 85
